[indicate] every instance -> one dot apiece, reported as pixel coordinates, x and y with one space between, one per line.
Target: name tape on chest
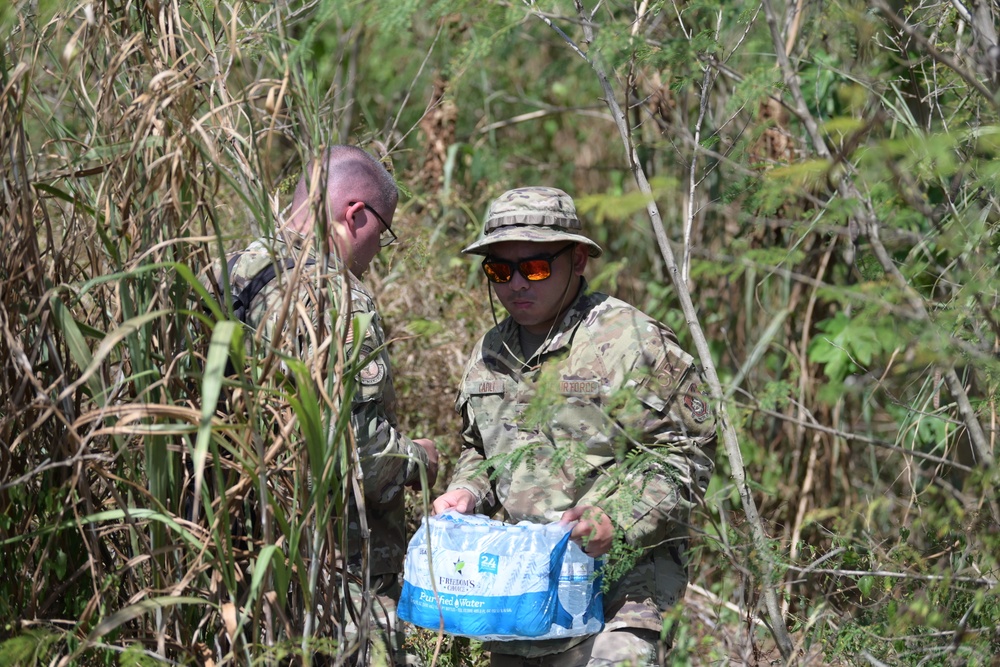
485 387
567 387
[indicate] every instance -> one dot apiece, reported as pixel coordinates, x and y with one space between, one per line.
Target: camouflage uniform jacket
608 412
389 459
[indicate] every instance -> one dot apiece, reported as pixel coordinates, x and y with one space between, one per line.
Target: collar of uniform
296 242
571 319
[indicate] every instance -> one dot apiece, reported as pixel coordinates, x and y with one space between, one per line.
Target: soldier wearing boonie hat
615 383
536 214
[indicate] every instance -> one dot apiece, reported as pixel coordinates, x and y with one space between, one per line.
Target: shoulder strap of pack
241 301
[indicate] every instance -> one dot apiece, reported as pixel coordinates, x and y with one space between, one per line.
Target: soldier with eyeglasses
348 198
578 407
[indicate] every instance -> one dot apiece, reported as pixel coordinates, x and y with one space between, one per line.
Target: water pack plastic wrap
482 578
581 604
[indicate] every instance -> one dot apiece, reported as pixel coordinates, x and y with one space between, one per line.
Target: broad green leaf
134 514
305 403
846 343
78 348
225 334
269 553
182 270
865 584
127 328
65 196
141 608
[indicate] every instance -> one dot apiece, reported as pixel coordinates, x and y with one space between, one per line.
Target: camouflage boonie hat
537 214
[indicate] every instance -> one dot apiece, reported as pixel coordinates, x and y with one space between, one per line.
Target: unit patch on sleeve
374 371
695 404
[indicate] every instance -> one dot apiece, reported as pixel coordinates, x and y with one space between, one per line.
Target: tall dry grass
141 142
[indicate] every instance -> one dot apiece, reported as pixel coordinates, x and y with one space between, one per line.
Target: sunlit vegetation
805 192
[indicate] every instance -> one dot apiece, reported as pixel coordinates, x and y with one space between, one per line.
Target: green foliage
850 345
446 650
845 345
28 648
131 136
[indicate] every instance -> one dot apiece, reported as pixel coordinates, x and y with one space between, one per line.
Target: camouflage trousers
610 648
385 629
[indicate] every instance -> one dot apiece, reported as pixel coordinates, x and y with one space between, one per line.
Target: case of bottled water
473 576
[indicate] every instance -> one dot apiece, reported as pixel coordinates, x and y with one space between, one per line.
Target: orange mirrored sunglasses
534 268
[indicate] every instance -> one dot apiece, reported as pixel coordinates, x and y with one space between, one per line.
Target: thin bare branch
890 15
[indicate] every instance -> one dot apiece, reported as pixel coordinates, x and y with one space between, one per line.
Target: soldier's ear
580 257
351 211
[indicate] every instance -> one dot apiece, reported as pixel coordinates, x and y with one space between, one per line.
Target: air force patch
374 371
576 387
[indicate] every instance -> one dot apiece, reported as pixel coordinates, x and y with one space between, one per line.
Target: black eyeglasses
534 268
383 241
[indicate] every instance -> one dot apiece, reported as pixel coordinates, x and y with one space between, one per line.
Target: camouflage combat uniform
609 411
389 460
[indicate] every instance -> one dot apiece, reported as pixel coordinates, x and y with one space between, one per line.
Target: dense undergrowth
826 178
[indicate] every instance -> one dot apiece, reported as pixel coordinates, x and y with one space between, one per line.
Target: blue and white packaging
581 604
472 576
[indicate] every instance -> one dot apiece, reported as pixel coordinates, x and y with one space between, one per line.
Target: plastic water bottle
580 599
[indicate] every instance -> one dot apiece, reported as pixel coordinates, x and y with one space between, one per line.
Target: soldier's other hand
432 461
592 522
460 500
